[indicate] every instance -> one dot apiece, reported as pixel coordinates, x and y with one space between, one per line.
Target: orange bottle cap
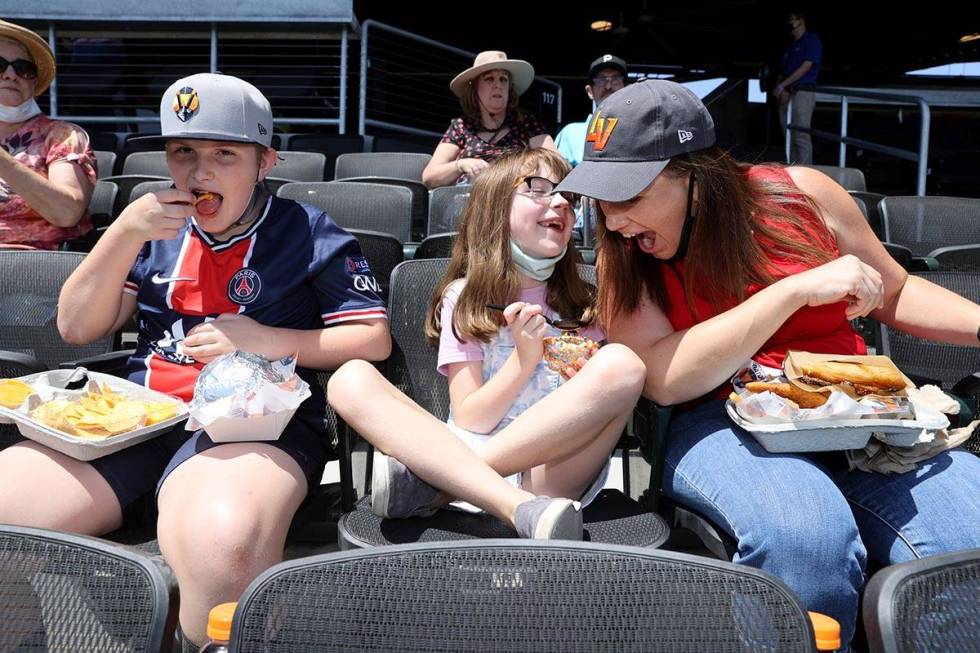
826 631
219 621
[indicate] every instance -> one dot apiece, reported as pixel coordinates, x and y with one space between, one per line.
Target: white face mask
20 113
539 269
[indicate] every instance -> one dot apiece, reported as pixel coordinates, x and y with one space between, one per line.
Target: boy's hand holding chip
157 216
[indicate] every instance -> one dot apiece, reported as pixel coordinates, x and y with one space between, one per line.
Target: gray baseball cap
633 135
214 107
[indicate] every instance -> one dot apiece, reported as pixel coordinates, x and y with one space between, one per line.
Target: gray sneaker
397 493
544 518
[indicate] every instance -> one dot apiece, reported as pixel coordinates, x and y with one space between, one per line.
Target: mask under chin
256 204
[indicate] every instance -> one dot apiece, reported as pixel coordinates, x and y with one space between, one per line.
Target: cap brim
612 181
193 136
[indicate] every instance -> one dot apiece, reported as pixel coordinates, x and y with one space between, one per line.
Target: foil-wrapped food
239 373
245 386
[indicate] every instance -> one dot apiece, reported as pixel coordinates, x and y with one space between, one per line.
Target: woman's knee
816 542
616 368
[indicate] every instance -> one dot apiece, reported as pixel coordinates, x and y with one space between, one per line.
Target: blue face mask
539 269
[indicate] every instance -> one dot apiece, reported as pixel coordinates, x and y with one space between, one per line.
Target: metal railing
116 75
405 83
921 157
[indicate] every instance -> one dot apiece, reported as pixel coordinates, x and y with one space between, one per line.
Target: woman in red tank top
705 264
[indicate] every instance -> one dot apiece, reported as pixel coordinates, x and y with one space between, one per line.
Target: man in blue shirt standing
607 74
801 65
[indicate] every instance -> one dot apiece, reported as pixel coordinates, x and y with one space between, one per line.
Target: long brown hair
732 242
481 255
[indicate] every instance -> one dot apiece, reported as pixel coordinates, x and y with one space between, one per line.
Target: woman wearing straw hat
491 124
47 169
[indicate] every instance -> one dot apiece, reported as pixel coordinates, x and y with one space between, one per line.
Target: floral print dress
38 144
463 133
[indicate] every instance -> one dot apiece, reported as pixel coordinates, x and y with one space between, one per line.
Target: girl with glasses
524 443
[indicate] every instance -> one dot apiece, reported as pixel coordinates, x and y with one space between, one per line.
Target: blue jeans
812 524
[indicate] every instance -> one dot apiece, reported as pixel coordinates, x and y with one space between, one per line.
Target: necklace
493 132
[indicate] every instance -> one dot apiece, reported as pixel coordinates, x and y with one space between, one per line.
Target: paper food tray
829 435
249 429
83 449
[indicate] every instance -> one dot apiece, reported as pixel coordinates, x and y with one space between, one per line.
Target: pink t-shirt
452 350
39 143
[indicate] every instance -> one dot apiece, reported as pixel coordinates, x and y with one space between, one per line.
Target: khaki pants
801 149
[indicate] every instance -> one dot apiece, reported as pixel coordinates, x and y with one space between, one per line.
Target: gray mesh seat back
141 189
325 143
446 208
330 145
928 604
436 246
106 141
29 287
63 592
126 184
924 224
372 207
383 253
105 162
517 596
420 199
146 163
849 178
396 165
412 365
935 360
404 143
103 201
299 166
962 258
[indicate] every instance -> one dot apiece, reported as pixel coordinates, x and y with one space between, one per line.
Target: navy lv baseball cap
633 135
213 107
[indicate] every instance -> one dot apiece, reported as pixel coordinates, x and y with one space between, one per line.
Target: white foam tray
81 448
831 435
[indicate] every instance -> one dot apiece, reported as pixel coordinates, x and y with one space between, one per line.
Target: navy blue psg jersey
294 268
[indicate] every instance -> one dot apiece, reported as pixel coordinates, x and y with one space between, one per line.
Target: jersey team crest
186 103
244 286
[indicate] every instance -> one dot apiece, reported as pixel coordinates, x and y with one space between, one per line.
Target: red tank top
820 329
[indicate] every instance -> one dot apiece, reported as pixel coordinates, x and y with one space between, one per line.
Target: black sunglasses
25 69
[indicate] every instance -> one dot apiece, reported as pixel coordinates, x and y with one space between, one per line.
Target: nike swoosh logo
158 279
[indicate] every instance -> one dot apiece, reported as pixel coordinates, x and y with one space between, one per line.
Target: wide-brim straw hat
521 72
38 49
